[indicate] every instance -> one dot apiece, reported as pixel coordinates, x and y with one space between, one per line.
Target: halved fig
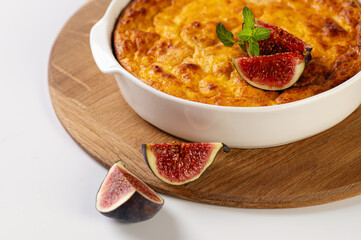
281 41
273 72
180 163
125 197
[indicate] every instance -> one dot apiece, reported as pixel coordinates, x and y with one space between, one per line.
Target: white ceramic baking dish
241 127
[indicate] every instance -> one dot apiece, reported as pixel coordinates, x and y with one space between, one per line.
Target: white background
48 184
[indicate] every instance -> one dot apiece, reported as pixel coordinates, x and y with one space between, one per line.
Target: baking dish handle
100 44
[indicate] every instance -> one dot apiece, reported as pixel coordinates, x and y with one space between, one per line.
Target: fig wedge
125 197
180 163
281 41
273 72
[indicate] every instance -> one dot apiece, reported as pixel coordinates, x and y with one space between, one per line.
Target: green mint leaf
242 44
248 18
260 33
245 34
225 36
253 48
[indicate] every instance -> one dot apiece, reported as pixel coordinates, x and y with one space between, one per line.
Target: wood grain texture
320 169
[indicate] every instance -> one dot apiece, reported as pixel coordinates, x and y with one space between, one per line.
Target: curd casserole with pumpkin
172 46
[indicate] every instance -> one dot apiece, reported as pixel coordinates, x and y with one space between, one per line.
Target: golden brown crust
172 46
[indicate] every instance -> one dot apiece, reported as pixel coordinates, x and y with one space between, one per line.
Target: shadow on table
160 227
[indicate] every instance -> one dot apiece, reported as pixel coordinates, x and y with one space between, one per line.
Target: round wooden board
317 170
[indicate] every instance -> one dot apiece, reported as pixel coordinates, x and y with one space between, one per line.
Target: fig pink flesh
273 71
115 187
141 187
181 162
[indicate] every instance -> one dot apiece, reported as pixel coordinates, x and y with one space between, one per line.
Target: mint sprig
249 34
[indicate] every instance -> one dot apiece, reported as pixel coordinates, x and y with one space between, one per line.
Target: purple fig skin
144 152
136 209
226 148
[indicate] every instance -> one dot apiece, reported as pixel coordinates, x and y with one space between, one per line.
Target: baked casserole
173 47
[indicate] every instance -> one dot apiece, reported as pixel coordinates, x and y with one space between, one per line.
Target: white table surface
48 184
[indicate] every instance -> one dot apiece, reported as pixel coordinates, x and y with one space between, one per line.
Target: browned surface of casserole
173 47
